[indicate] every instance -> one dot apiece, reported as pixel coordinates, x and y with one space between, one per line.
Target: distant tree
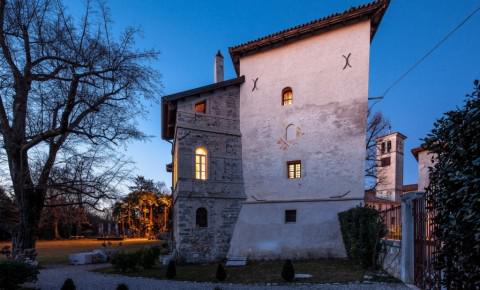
145 210
377 125
8 214
454 193
66 89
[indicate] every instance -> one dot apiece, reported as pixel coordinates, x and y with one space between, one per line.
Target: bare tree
377 126
62 85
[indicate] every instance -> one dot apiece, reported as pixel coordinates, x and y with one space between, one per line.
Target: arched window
290 132
201 217
201 163
287 96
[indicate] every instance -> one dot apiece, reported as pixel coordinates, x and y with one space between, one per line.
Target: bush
156 251
454 193
125 261
221 275
13 274
122 287
171 270
147 258
288 272
362 228
68 285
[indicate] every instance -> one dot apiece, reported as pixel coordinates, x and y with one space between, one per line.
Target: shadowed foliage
454 193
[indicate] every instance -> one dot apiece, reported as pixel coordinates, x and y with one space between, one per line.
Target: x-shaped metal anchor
254 84
347 61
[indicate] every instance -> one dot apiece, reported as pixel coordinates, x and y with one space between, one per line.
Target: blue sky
188 34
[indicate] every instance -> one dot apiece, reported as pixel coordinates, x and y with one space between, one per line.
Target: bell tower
390 166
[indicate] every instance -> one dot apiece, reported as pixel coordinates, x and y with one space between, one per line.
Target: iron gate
424 244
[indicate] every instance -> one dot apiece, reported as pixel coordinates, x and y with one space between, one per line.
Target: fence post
407 243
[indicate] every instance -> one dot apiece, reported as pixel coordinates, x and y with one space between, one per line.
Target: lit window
294 169
201 163
287 96
201 107
175 165
290 216
201 218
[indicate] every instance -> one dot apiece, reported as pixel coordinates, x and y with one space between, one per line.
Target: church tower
390 166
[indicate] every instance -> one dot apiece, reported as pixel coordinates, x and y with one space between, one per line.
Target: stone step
236 261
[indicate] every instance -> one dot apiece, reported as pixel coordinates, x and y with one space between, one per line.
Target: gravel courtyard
53 277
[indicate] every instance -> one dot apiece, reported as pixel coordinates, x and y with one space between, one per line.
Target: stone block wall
391 256
199 245
218 131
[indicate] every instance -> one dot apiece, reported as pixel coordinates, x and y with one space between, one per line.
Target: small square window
385 161
294 169
290 216
201 107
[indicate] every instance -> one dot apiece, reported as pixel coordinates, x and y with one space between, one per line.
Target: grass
56 252
323 271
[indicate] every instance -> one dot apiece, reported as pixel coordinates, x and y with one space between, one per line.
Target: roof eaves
204 89
374 10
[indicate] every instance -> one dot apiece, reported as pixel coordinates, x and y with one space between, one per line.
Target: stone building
263 163
425 160
389 185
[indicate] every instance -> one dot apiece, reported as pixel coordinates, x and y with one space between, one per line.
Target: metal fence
425 246
392 219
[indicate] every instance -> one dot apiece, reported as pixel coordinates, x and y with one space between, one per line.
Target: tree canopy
70 90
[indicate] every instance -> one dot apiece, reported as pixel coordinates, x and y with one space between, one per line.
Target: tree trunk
26 232
56 233
30 200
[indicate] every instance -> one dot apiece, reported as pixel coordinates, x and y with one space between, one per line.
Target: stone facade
216 130
254 138
328 114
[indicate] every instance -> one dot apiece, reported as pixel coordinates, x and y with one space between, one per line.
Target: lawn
56 252
323 271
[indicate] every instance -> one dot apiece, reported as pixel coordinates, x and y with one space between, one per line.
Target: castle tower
390 166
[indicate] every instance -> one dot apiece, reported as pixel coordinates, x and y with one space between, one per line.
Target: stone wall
198 245
323 127
222 193
391 256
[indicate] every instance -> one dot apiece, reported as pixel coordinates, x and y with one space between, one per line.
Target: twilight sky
188 34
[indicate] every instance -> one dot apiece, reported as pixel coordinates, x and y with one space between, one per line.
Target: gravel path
53 278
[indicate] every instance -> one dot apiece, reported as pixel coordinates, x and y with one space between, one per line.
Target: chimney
218 68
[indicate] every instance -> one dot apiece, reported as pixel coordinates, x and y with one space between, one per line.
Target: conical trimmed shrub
68 285
122 287
171 270
221 274
288 272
